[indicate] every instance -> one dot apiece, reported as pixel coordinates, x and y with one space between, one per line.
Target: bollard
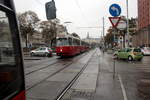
114 67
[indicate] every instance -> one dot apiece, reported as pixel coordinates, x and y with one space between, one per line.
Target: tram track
65 65
64 91
30 64
49 76
55 62
41 68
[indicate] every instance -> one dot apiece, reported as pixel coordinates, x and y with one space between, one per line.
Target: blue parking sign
115 10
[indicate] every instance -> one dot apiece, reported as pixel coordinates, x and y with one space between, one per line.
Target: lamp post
103 33
128 38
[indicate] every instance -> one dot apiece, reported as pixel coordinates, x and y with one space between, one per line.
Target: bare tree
48 31
27 22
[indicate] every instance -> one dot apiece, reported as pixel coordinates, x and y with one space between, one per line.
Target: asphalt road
47 77
125 84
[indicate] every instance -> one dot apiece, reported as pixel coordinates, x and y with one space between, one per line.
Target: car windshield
43 49
40 49
128 50
137 50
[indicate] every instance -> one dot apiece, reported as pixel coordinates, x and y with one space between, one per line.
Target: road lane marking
122 87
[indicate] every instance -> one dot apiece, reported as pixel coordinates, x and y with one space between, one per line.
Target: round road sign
115 10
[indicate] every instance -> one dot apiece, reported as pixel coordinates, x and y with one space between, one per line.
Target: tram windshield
63 42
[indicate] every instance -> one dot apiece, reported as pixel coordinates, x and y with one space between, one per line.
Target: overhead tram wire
82 14
39 2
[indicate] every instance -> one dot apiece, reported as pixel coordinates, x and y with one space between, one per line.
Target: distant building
142 37
90 40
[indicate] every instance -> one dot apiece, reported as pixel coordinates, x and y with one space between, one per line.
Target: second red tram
70 46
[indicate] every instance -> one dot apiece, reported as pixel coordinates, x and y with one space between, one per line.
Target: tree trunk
26 40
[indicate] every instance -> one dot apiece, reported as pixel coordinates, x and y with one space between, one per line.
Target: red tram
12 85
70 46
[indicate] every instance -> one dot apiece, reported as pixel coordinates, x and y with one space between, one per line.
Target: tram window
62 42
70 41
8 67
6 47
76 42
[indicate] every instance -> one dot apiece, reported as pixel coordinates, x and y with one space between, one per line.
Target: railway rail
60 96
63 63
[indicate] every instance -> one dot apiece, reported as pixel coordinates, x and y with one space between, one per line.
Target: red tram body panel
68 50
65 50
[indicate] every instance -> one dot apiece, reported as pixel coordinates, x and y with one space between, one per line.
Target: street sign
122 25
115 10
114 21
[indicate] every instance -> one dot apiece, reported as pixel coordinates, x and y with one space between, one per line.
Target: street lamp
127 23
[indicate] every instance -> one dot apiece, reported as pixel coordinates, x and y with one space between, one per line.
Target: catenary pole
128 38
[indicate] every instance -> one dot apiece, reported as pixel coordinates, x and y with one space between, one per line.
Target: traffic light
50 10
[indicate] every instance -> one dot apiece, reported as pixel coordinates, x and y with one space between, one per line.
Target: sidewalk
108 88
85 87
96 82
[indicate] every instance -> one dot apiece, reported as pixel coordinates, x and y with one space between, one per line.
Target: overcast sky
82 13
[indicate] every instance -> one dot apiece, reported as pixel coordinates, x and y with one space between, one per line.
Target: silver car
42 51
146 51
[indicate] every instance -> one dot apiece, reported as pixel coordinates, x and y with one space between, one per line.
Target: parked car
42 51
146 51
129 54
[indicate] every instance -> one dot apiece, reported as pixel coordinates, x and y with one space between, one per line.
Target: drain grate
82 95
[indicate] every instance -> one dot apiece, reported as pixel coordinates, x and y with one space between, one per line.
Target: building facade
142 36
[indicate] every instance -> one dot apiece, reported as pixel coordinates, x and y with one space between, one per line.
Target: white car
42 51
146 50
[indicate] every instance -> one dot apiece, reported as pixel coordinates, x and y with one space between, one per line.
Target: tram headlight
61 50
